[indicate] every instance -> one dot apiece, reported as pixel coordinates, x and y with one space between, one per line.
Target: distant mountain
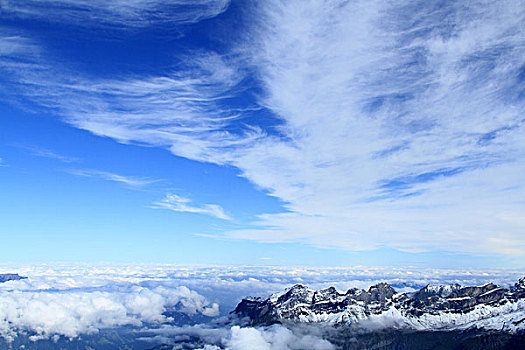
10 277
449 307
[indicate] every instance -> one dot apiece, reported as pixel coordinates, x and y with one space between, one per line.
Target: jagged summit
519 288
431 307
440 291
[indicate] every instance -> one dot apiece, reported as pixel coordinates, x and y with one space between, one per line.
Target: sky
271 132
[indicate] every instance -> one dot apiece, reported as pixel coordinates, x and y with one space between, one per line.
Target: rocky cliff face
433 307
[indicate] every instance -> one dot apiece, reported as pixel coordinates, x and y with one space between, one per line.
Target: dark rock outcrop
10 277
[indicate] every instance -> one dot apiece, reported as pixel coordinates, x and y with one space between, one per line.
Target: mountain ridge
381 307
5 277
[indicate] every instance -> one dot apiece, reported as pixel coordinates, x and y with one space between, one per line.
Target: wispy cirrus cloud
388 107
181 111
398 124
129 181
46 153
120 13
184 205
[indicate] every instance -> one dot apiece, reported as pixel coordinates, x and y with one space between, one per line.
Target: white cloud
130 181
228 284
276 337
401 122
379 120
46 153
116 14
180 111
216 337
69 304
73 299
183 205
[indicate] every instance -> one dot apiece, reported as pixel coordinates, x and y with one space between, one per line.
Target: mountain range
444 307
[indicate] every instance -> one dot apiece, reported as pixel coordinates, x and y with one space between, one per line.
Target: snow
491 291
459 299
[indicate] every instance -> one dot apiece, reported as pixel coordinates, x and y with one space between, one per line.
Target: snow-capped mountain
379 307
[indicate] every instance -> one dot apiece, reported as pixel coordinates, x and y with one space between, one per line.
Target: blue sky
244 132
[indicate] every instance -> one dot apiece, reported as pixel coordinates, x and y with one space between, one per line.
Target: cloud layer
73 299
68 304
276 337
394 124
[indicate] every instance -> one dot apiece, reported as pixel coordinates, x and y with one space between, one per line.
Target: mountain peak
10 277
432 307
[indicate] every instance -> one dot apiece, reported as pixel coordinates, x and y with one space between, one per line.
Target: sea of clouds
69 300
215 337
